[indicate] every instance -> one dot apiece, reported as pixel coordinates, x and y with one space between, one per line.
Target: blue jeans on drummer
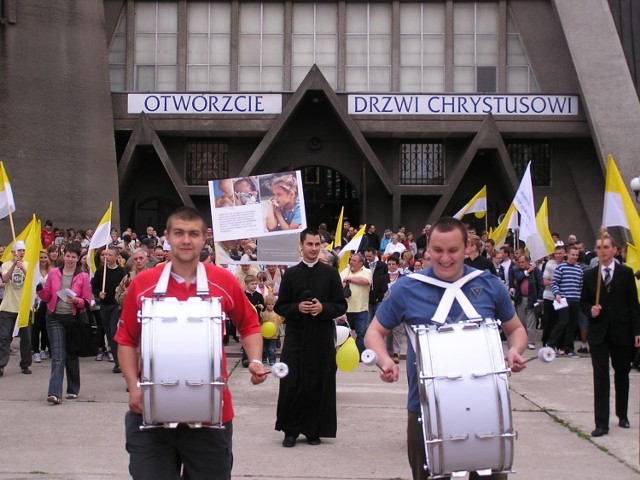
358 322
60 361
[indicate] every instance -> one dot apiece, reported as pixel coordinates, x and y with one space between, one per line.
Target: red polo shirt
221 284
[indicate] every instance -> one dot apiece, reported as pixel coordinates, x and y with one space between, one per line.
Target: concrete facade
55 113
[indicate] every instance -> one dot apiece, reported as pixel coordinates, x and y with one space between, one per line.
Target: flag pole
13 228
486 222
603 230
104 276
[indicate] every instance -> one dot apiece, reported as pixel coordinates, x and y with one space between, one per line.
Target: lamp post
635 186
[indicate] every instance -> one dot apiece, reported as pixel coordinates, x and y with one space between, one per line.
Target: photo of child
246 192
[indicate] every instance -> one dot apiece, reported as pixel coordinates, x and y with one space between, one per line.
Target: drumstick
279 369
369 358
545 355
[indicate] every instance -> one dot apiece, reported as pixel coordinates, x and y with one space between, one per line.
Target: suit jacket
619 319
380 281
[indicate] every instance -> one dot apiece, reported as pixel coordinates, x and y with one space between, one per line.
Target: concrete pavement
83 439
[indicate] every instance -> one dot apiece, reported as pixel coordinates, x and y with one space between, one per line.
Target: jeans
110 315
358 322
567 324
270 348
160 453
528 319
373 307
7 325
60 361
39 338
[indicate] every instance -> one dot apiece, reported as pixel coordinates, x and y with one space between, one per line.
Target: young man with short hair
161 453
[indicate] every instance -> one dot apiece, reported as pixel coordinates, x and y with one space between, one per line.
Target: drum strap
202 286
453 291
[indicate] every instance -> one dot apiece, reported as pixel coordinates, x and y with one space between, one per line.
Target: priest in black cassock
310 298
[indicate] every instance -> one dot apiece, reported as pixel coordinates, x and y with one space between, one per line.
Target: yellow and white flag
353 245
477 204
7 203
542 222
510 221
30 236
101 237
619 209
338 240
633 261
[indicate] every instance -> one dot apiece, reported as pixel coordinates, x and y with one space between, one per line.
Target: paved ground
84 439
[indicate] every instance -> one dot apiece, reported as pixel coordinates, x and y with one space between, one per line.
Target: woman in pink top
61 310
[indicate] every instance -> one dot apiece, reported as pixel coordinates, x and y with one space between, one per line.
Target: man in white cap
13 276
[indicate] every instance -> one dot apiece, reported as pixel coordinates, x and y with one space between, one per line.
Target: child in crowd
250 290
270 316
262 288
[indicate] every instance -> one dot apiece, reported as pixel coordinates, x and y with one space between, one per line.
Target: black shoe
583 350
26 370
599 431
1 371
623 423
289 442
116 369
313 441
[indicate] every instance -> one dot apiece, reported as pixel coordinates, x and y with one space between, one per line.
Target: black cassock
307 398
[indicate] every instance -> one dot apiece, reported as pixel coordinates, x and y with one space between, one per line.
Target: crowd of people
555 301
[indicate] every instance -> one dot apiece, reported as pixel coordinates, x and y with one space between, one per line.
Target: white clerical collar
310 264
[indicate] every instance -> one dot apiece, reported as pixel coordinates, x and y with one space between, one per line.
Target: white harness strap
452 291
202 287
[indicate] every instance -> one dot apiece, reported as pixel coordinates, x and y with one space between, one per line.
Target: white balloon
342 333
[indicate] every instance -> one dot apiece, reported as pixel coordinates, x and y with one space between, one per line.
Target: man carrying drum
161 453
415 301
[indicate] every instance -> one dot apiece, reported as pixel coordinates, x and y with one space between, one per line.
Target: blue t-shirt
293 216
415 303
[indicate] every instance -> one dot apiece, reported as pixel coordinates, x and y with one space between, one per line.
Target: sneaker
54 399
110 357
583 350
531 346
116 369
395 358
44 354
71 396
37 358
571 355
99 357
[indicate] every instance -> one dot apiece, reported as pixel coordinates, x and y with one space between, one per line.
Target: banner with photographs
258 219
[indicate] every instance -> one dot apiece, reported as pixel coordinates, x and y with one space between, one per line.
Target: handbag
346 291
82 335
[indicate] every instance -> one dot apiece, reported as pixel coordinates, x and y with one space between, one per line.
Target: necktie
607 276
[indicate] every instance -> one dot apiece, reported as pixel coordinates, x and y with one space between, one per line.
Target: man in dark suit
614 330
380 281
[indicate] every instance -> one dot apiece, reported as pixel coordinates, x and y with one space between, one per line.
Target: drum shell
464 397
181 361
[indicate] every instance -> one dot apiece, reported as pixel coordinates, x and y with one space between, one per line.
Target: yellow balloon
479 214
348 356
268 329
